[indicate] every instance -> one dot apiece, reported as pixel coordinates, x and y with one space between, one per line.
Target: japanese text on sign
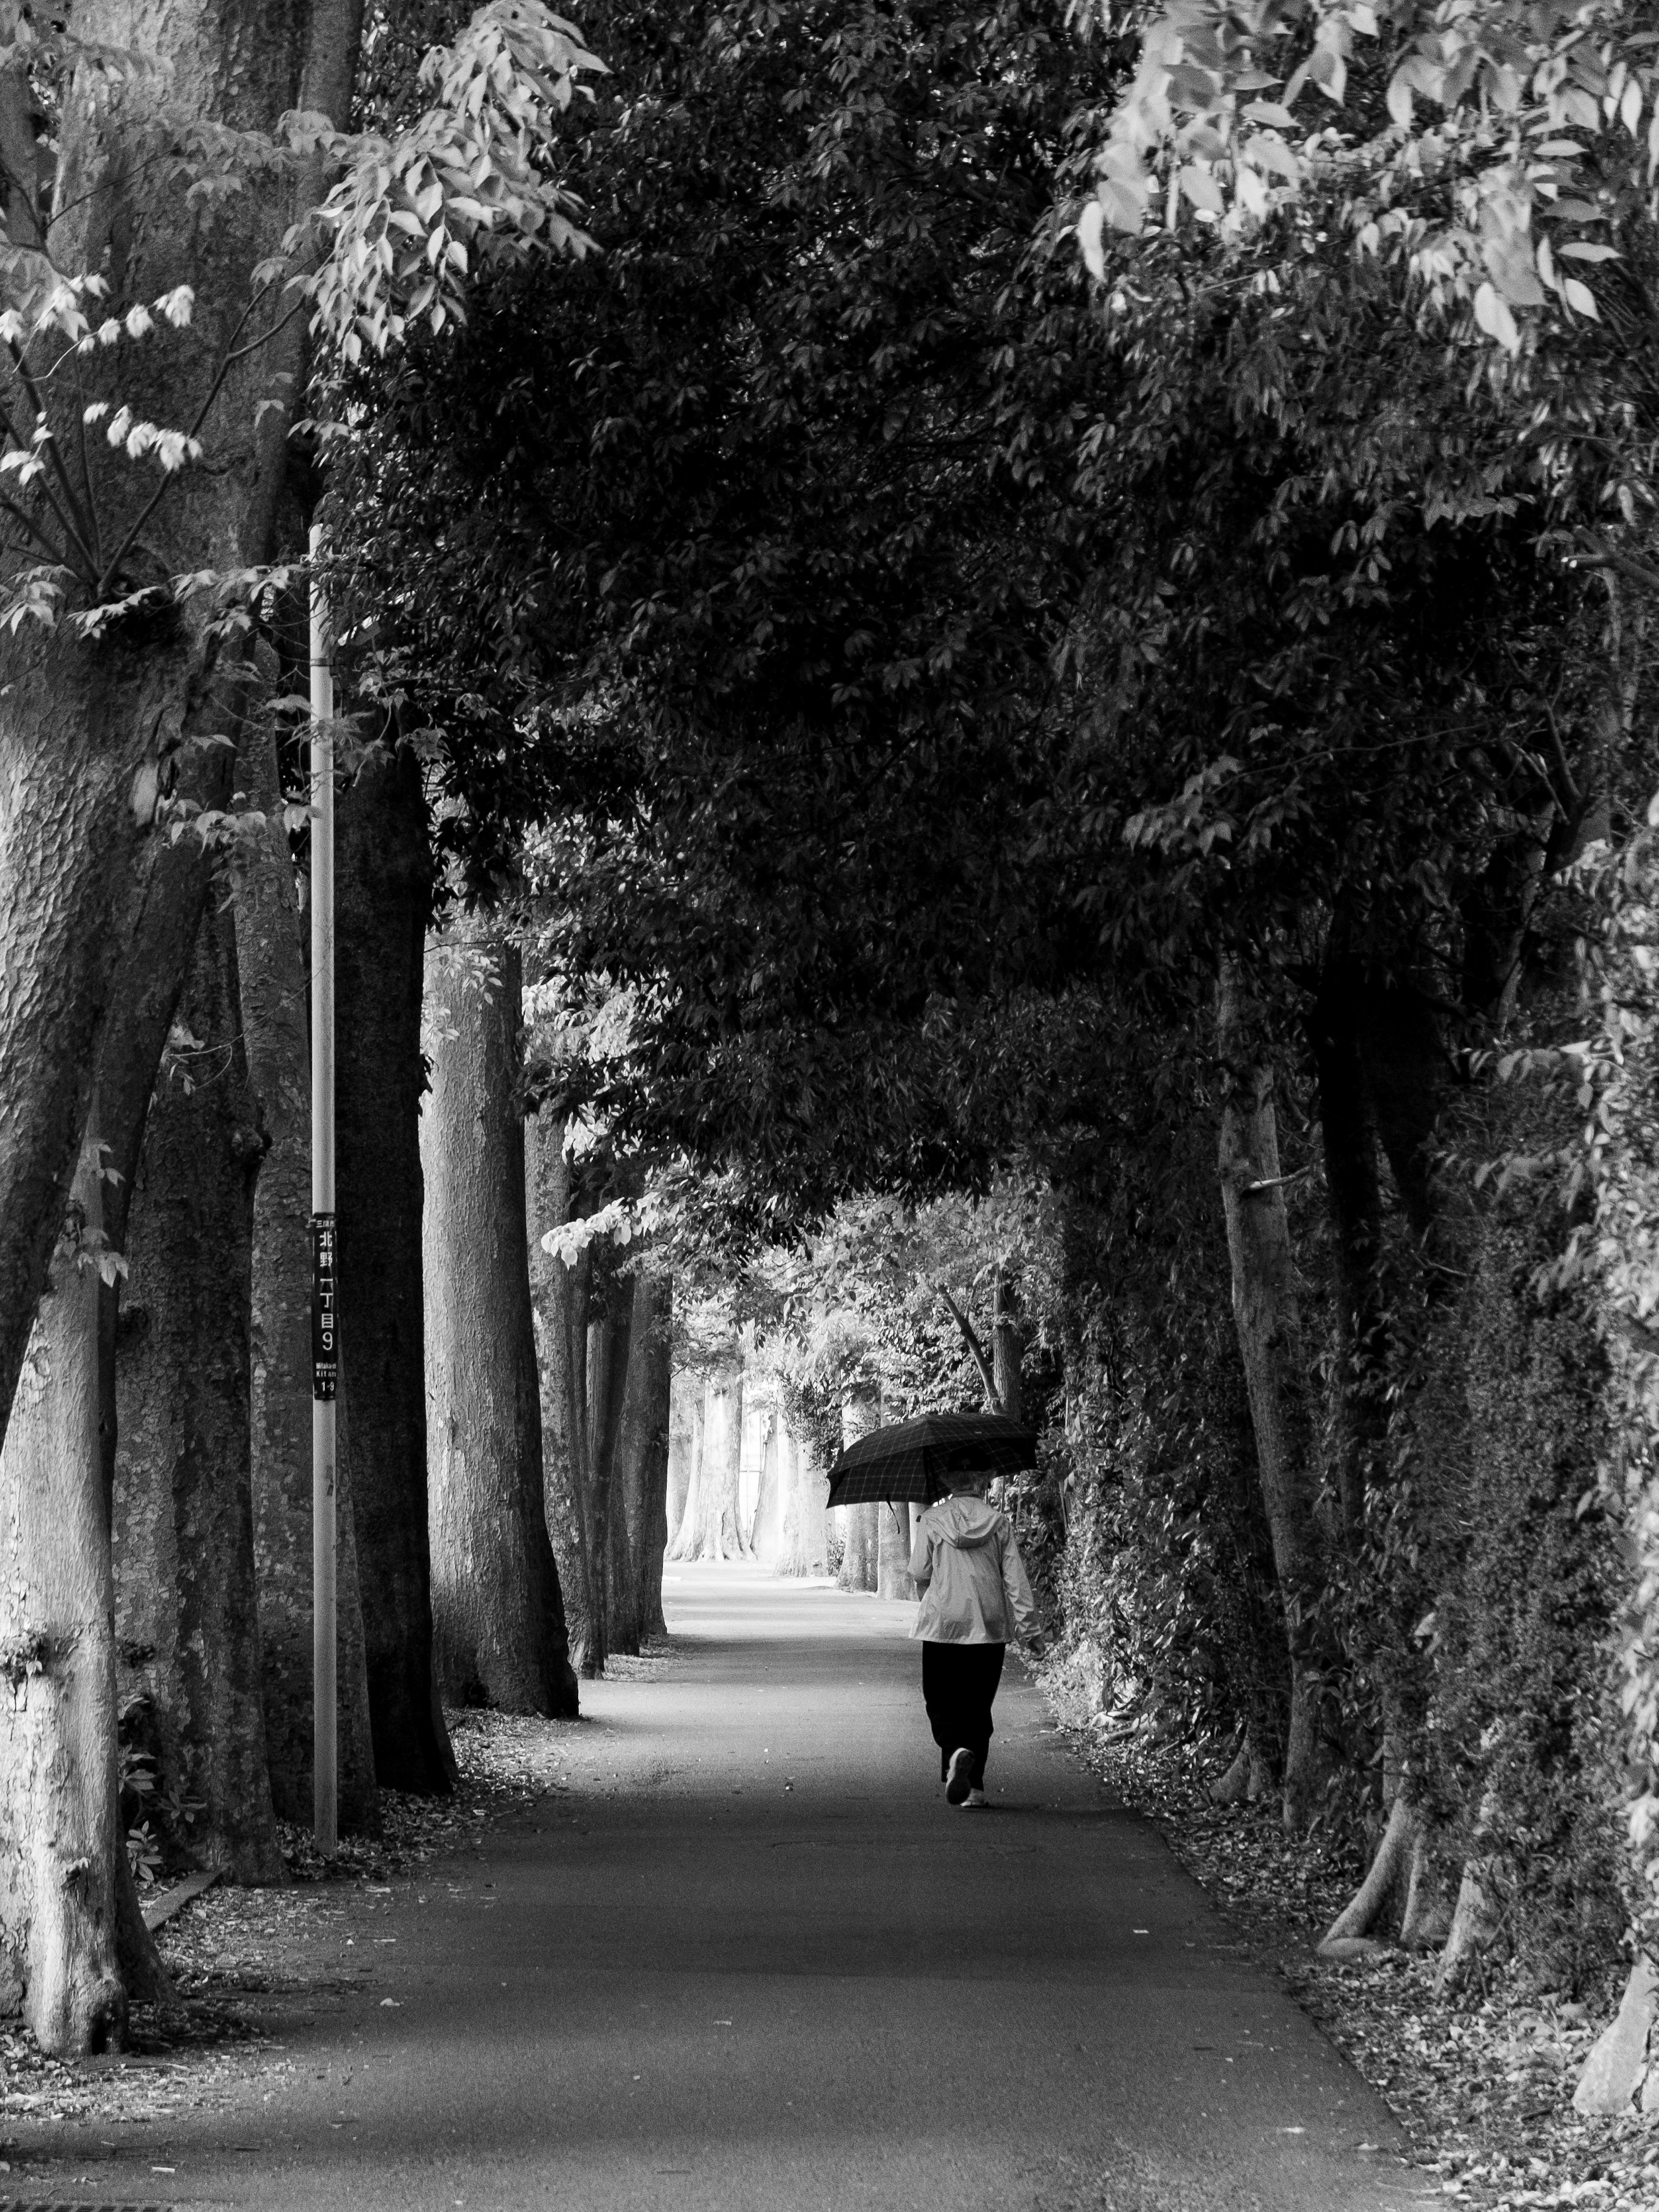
325 1317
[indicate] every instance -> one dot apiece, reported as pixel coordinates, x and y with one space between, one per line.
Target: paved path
764 1965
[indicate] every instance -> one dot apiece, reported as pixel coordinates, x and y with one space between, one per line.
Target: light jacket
973 1583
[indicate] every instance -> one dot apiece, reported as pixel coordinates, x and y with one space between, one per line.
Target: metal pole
325 1332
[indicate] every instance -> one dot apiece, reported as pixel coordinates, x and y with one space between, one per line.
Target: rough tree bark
183 1526
60 1834
498 1622
860 1412
91 729
270 966
93 733
1268 1314
383 893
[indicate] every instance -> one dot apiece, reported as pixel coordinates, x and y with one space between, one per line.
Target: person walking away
975 1596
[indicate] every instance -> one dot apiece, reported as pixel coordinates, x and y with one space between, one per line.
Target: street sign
324 1312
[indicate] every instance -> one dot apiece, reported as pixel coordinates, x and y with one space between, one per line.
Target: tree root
1475 1924
1384 1880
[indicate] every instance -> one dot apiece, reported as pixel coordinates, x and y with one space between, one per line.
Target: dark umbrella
913 1460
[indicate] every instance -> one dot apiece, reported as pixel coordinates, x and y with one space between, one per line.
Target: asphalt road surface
765 1966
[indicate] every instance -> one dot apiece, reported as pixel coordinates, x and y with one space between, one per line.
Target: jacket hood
967 1522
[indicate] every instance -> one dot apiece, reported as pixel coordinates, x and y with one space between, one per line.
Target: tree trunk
183 1509
271 968
893 1553
90 729
602 1325
1268 1315
685 1409
720 1531
683 1543
1008 1350
860 1412
766 1536
805 1545
143 1001
60 1831
642 1458
383 890
547 1206
656 1386
499 1625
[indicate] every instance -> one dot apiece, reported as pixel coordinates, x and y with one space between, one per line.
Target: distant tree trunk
642 1464
767 1537
682 1545
271 969
602 1328
656 1364
499 1625
860 1412
893 1553
184 1508
60 1833
1268 1314
806 1547
547 1206
723 1537
383 891
685 1408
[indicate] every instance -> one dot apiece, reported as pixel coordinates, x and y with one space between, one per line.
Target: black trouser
958 1681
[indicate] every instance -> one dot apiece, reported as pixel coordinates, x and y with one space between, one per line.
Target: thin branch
219 376
86 464
1568 784
63 524
79 533
1275 1183
11 507
986 1375
1606 556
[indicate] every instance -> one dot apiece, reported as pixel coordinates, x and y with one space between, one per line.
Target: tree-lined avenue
759 1963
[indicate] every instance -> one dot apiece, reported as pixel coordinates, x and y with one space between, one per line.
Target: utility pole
325 1322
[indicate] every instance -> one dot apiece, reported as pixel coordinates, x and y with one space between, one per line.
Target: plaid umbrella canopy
912 1459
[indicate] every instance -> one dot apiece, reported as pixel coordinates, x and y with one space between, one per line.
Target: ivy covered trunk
1266 1312
271 970
383 895
183 1505
498 1624
60 1830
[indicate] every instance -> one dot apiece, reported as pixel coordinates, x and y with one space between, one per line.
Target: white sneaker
956 1784
976 1798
